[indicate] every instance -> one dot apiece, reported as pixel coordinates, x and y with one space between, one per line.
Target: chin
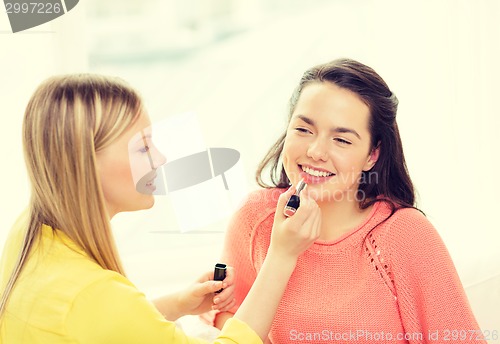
150 202
147 202
321 194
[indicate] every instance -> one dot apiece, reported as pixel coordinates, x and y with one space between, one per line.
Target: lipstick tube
294 202
219 273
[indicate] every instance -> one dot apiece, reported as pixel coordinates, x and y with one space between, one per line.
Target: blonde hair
68 119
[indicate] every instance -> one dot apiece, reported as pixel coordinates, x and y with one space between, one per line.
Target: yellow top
63 296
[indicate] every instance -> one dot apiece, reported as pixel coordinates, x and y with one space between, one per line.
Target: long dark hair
393 183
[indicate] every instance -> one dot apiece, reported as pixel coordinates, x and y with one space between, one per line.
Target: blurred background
223 70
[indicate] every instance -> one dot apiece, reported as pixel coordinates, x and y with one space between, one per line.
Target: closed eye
303 130
342 141
144 149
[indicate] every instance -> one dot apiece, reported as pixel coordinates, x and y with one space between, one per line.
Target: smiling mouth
315 173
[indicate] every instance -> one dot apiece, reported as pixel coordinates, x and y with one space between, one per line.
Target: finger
224 297
306 209
223 304
230 275
308 204
307 229
283 199
225 294
207 287
225 307
317 223
313 224
207 276
310 215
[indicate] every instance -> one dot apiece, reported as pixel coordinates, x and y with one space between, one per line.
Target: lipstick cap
219 273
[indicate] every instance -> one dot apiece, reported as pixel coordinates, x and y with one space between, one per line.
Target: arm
430 295
112 310
275 268
221 318
199 297
239 248
290 237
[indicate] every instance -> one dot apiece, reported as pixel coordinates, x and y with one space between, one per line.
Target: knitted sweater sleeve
430 295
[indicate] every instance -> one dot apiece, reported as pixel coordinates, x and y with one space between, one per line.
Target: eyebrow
333 130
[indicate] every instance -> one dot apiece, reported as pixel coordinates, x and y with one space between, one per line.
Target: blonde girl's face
328 142
127 169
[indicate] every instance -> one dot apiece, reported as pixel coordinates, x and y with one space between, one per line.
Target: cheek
292 147
115 177
139 166
349 172
120 168
289 153
351 162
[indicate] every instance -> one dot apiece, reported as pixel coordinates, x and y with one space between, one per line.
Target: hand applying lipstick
294 202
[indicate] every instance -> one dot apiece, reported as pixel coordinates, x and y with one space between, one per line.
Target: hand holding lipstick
289 238
293 235
202 296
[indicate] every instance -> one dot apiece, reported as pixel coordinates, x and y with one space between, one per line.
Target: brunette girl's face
127 169
328 142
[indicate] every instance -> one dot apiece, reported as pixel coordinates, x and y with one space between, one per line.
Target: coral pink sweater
395 283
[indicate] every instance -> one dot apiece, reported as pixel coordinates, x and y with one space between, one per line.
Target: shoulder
408 230
62 270
107 285
411 223
403 221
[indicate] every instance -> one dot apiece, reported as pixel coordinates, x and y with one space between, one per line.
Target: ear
372 158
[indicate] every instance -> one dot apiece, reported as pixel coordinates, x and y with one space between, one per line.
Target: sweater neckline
344 237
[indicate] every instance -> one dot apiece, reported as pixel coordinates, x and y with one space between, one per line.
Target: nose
158 159
317 150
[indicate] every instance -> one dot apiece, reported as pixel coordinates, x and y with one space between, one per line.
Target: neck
340 217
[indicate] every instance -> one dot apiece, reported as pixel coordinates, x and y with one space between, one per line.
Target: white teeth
316 173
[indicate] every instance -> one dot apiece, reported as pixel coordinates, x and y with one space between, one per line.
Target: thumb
207 287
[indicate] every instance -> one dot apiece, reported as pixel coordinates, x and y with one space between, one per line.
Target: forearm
260 305
169 306
197 298
221 318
